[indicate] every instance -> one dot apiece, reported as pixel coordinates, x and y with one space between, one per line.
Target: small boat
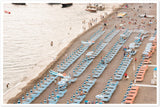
19 3
66 5
91 10
53 3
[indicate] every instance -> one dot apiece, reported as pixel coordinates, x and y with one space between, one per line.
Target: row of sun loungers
131 94
78 97
37 89
87 61
77 53
122 68
109 90
111 54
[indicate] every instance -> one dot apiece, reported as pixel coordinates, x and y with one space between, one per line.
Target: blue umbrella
38 84
27 94
52 93
45 78
23 97
56 90
155 69
34 87
45 101
31 90
84 83
19 102
57 97
73 95
41 81
71 99
96 101
89 76
47 75
76 92
49 97
67 102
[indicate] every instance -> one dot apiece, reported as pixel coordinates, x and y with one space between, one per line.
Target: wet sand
99 85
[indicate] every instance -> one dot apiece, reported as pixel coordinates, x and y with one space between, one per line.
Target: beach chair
147 61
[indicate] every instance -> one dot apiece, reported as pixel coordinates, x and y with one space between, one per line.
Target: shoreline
52 64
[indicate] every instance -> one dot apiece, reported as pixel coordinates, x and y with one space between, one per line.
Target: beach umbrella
47 75
103 91
45 101
111 78
41 81
96 101
52 93
56 90
67 102
76 92
69 75
100 102
73 95
49 97
19 102
71 99
34 87
155 69
89 76
38 84
73 71
84 83
45 78
27 94
23 97
107 85
79 88
31 90
108 82
93 71
57 97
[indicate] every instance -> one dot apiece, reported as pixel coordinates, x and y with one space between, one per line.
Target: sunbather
82 93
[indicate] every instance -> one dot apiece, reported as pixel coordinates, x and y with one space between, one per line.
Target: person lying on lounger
82 93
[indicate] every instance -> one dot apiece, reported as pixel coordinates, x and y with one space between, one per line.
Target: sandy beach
133 12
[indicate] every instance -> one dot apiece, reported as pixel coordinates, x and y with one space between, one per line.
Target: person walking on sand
7 85
125 75
135 59
51 43
124 53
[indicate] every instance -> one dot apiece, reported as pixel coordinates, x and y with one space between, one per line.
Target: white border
77 1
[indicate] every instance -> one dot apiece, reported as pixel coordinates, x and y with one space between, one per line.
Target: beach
133 12
26 29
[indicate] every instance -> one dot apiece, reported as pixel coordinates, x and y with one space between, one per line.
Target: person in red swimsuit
125 75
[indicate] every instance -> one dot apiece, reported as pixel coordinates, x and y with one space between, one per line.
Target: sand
98 87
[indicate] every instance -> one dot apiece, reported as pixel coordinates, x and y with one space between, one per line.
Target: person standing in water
7 85
51 43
